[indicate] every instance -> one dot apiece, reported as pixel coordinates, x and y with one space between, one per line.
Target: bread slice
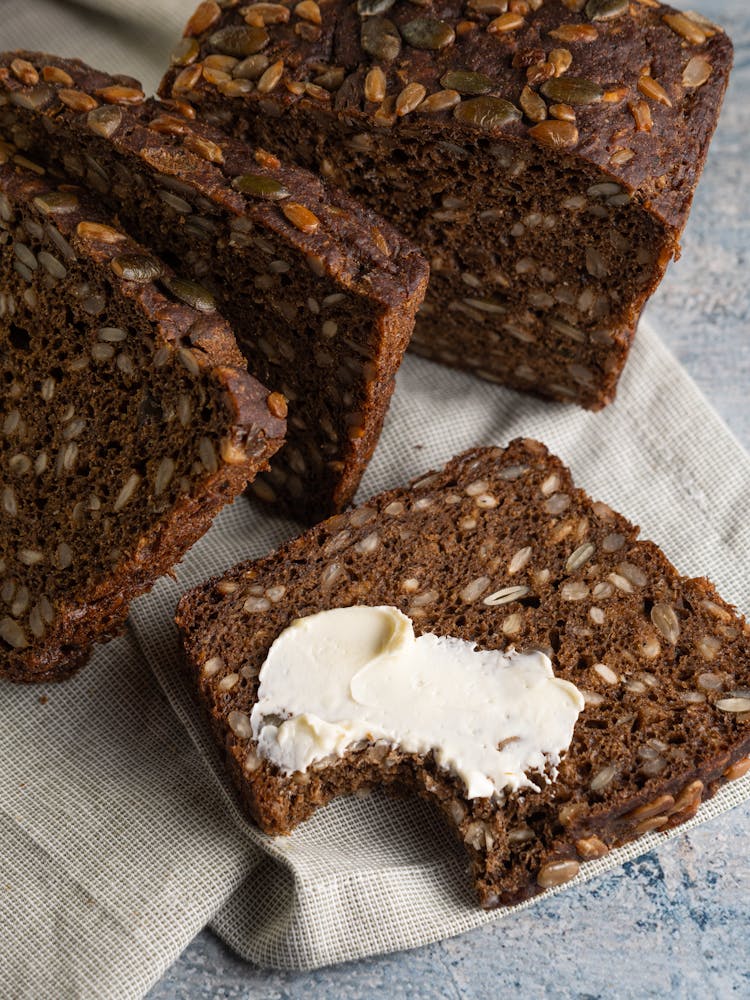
320 292
127 421
543 155
500 549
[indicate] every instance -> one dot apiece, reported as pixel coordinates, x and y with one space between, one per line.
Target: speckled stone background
675 923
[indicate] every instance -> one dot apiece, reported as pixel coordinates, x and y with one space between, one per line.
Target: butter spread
338 677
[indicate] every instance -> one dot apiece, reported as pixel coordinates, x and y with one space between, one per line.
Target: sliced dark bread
502 550
319 291
542 153
127 421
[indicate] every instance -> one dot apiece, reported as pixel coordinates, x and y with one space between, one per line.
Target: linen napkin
119 834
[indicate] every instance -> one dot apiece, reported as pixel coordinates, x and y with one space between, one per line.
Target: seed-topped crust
488 132
321 292
500 549
115 455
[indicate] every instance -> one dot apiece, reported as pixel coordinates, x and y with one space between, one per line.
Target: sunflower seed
12 633
506 596
696 72
557 134
410 98
733 705
240 725
127 491
652 89
685 28
664 618
557 873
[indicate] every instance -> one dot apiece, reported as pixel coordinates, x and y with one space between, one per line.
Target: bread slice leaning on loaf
321 292
127 421
502 550
544 158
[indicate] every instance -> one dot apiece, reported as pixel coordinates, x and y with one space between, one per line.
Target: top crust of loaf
349 242
642 82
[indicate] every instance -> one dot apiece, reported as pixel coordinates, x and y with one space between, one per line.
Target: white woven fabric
119 836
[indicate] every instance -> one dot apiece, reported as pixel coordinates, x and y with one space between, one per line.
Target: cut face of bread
544 158
127 420
499 549
320 292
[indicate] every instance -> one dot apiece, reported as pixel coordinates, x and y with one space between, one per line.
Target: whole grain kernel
474 590
733 706
512 625
127 492
300 217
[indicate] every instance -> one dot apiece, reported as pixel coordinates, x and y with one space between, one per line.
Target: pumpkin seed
466 82
239 40
370 8
193 294
260 186
136 267
604 10
572 90
428 33
488 113
380 38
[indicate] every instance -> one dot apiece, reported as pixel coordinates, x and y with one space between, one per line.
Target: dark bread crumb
500 548
320 291
127 421
544 157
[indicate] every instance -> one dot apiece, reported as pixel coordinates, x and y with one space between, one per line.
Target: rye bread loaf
319 291
500 549
127 421
543 153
